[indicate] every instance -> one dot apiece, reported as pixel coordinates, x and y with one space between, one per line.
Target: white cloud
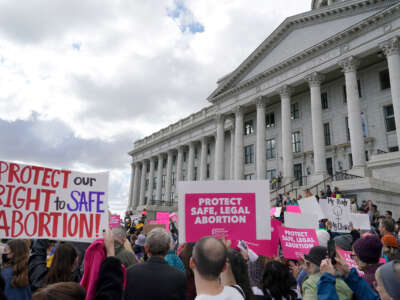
92 76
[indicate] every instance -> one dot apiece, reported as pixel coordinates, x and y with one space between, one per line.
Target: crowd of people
129 263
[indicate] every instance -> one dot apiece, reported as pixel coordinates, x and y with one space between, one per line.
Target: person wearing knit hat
312 266
344 241
367 251
390 248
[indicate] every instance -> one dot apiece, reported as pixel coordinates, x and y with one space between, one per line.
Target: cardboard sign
149 227
267 248
337 210
115 220
296 243
311 205
275 212
301 221
40 202
293 209
360 221
237 209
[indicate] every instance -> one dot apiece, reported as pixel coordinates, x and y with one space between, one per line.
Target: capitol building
316 103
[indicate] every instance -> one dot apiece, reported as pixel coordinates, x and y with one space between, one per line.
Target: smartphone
332 251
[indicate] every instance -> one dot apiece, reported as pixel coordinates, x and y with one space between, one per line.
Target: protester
2 287
128 258
236 273
366 253
312 265
390 248
155 279
15 270
208 262
278 282
61 291
185 257
353 206
344 241
172 259
386 227
139 246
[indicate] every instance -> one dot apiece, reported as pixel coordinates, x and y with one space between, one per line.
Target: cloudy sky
81 80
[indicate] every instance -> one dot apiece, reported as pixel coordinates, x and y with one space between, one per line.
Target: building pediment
297 34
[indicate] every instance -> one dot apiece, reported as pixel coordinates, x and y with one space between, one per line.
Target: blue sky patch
76 46
184 18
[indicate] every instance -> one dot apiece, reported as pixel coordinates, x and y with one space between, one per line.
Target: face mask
4 258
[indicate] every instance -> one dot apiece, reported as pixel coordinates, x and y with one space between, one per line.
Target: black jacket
155 279
111 280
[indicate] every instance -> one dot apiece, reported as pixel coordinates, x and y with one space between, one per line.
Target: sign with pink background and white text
297 242
239 210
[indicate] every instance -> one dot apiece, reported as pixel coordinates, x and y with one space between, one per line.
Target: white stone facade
326 66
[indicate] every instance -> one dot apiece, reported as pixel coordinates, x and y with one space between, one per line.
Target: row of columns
391 49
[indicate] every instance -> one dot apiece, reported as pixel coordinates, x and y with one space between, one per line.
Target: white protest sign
360 221
311 205
237 209
301 221
337 210
40 202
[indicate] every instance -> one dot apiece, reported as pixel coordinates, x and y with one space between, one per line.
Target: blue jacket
14 293
361 288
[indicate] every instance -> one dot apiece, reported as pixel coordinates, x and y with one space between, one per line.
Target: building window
154 183
162 196
295 111
384 79
174 160
153 196
146 185
347 129
171 197
208 148
249 154
248 127
196 152
389 118
156 165
271 174
183 174
270 120
327 134
147 168
359 88
184 156
145 200
163 181
393 149
344 94
350 161
249 177
195 173
173 178
208 171
271 150
324 100
366 156
296 142
164 163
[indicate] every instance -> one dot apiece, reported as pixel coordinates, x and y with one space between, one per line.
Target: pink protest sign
237 209
350 261
297 242
268 248
115 220
293 209
162 216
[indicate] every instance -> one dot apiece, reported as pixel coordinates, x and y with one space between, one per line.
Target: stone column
131 186
232 169
287 151
179 164
151 176
136 186
314 81
159 177
219 148
239 151
168 181
190 165
203 159
143 183
261 143
349 66
391 48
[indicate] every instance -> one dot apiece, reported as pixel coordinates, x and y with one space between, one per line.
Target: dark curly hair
240 272
278 282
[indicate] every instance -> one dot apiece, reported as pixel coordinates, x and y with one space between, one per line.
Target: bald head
209 256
